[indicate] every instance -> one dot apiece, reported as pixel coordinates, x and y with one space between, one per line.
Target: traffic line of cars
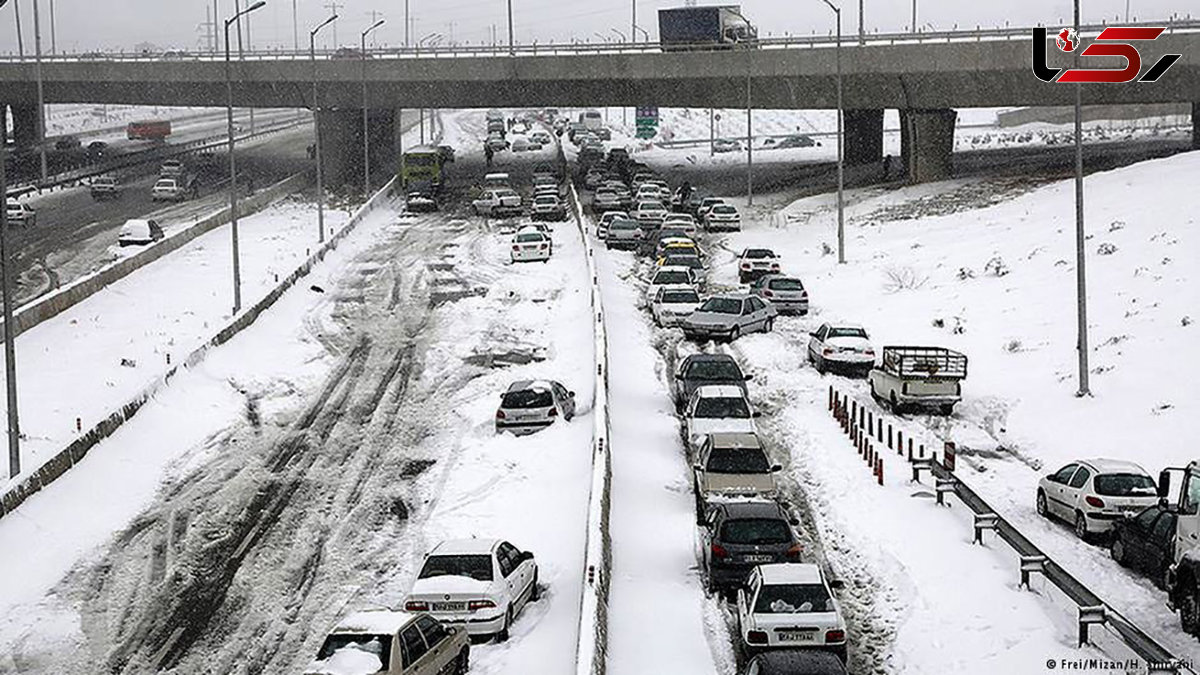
788 620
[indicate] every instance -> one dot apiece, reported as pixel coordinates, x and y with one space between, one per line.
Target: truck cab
1183 576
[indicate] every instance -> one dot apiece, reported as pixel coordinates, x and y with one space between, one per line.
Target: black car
740 535
698 370
795 662
1146 542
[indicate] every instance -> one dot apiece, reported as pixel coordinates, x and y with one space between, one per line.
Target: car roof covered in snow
465 547
790 573
732 439
719 391
374 622
535 385
672 268
1113 466
709 357
752 508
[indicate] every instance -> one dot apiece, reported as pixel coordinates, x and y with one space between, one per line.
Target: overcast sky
83 25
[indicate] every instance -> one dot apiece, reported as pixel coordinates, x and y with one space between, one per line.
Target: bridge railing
583 47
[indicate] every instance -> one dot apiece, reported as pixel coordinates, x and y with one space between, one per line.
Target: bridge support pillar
864 136
26 126
341 145
927 143
1196 125
381 136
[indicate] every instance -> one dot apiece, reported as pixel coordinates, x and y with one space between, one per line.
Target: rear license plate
449 606
797 636
759 558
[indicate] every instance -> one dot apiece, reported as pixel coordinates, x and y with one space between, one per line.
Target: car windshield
421 160
478 567
722 208
683 261
527 398
622 225
546 201
722 407
1125 485
165 183
527 237
722 306
785 285
752 531
758 253
847 332
714 371
672 277
680 297
505 193
793 599
379 645
738 460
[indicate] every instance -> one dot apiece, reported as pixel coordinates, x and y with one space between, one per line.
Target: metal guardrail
581 47
1093 610
141 157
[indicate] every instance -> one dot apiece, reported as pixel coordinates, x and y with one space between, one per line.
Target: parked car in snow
700 369
529 245
623 233
672 303
171 168
496 181
918 377
497 202
669 276
650 213
843 347
703 206
1146 541
756 262
722 217
139 232
715 408
794 662
419 201
480 584
683 221
690 261
392 643
548 207
726 145
603 222
741 535
786 293
531 405
177 189
728 317
1094 494
732 465
606 200
790 605
105 187
20 213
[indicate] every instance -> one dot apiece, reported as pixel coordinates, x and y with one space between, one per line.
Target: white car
722 217
841 347
604 221
672 275
671 303
705 205
1093 494
495 181
385 642
482 584
681 221
497 202
175 189
790 605
530 244
756 262
650 212
139 232
715 408
520 144
20 213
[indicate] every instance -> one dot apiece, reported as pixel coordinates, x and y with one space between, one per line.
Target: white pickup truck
919 377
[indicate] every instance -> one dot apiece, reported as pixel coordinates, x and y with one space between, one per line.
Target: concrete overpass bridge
925 76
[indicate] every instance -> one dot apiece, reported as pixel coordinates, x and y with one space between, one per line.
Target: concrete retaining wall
31 314
77 450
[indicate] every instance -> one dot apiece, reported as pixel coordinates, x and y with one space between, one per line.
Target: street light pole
20 35
407 24
511 45
1080 236
53 31
312 55
10 348
841 169
633 20
366 135
295 28
914 17
233 212
749 134
41 99
862 34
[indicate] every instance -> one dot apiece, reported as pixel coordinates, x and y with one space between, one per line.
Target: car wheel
769 325
1189 612
735 333
1117 551
819 364
1041 505
1081 530
535 593
893 403
502 636
947 409
462 663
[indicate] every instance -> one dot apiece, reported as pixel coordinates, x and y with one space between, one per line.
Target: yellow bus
422 164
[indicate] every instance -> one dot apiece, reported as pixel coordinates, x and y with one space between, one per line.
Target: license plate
449 606
759 558
792 636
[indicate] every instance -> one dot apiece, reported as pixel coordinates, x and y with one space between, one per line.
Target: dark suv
738 536
698 370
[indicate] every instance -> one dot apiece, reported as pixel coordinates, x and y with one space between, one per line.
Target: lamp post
20 37
312 55
914 17
41 99
1080 235
233 214
841 169
512 49
862 34
432 37
10 351
366 136
749 133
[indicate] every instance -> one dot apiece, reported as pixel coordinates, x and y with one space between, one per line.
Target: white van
591 119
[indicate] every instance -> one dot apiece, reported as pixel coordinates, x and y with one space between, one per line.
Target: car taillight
828 350
416 606
768 294
756 637
835 636
541 247
553 412
718 551
804 294
774 266
480 604
745 265
516 248
500 414
1094 501
793 553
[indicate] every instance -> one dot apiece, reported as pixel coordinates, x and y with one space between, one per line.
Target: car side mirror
698 467
812 335
747 378
794 521
776 468
756 414
837 584
570 394
526 555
